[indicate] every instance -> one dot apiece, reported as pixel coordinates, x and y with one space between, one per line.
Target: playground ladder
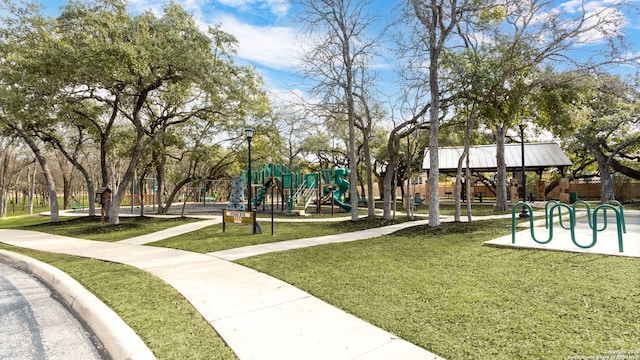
296 196
307 196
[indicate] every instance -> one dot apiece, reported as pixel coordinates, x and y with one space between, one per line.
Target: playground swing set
295 190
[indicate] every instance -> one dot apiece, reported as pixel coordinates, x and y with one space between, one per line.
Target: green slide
261 193
343 187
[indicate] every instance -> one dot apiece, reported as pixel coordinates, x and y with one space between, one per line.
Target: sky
267 31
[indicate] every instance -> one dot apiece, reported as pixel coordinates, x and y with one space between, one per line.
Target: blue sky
266 30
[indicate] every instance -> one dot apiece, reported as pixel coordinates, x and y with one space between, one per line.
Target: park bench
76 205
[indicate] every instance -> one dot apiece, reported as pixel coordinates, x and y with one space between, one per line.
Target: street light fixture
249 133
525 213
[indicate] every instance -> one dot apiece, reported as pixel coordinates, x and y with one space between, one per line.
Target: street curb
120 341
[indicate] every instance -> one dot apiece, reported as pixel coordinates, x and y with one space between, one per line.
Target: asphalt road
36 323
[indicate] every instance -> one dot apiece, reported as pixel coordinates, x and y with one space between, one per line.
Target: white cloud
612 22
272 46
280 8
630 58
572 6
604 18
277 7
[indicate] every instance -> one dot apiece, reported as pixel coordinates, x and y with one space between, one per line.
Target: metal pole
153 198
249 178
409 203
249 134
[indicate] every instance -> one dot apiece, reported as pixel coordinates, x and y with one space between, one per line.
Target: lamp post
249 133
525 213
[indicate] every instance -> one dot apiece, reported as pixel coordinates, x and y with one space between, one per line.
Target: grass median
91 228
440 289
212 238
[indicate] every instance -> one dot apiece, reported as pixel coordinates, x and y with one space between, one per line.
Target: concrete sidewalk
259 317
171 232
253 250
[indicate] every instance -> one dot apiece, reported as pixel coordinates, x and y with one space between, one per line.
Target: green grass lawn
440 289
212 238
20 221
165 320
476 209
90 228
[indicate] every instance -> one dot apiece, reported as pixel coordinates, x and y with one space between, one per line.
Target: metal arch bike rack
619 222
548 221
551 206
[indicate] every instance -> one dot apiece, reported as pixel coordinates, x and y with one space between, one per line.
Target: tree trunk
114 206
434 123
380 181
625 170
458 187
141 192
467 144
91 190
353 168
66 190
32 188
160 183
3 202
393 146
502 203
604 168
174 192
6 159
366 130
48 177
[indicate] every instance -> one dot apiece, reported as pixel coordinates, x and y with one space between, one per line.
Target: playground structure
294 189
592 218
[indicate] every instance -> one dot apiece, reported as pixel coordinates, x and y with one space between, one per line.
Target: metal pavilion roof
482 158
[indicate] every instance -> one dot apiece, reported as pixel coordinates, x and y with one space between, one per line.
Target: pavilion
482 158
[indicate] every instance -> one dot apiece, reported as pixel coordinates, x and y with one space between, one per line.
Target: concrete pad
606 241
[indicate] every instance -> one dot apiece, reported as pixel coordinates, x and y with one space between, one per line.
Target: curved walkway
258 316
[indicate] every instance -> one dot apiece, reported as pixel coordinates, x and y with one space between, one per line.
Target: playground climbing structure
294 189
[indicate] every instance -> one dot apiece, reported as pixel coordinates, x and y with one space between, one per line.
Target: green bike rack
588 207
551 206
549 224
619 222
546 212
621 208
